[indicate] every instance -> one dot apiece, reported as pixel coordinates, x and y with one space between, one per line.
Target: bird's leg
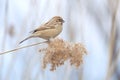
49 40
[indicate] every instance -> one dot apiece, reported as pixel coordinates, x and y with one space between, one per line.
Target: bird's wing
44 27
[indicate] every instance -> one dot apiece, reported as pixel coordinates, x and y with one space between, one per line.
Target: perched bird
49 30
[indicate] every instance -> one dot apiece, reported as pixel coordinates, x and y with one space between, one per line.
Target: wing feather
45 27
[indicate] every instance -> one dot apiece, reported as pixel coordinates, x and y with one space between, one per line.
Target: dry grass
59 51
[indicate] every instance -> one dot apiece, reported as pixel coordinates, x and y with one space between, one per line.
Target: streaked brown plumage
48 30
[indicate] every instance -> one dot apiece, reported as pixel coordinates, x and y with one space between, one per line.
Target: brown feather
43 28
48 30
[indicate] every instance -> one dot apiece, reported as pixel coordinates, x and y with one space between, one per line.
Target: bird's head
57 20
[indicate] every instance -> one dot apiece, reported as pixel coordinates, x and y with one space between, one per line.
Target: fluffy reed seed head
59 51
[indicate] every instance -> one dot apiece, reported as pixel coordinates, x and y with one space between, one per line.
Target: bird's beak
63 21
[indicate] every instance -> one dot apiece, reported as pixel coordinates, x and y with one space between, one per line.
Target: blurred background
95 23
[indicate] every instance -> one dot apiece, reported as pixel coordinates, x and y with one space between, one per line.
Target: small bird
49 30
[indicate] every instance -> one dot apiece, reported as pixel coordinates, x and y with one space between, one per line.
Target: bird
49 30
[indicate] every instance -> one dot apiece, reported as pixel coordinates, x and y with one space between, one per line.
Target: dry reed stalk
1 53
112 41
114 65
59 51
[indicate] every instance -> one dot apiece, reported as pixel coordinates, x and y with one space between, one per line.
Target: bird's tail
25 39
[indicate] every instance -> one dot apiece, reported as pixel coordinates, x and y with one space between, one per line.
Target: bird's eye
59 20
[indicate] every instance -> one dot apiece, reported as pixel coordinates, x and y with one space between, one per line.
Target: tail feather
25 39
